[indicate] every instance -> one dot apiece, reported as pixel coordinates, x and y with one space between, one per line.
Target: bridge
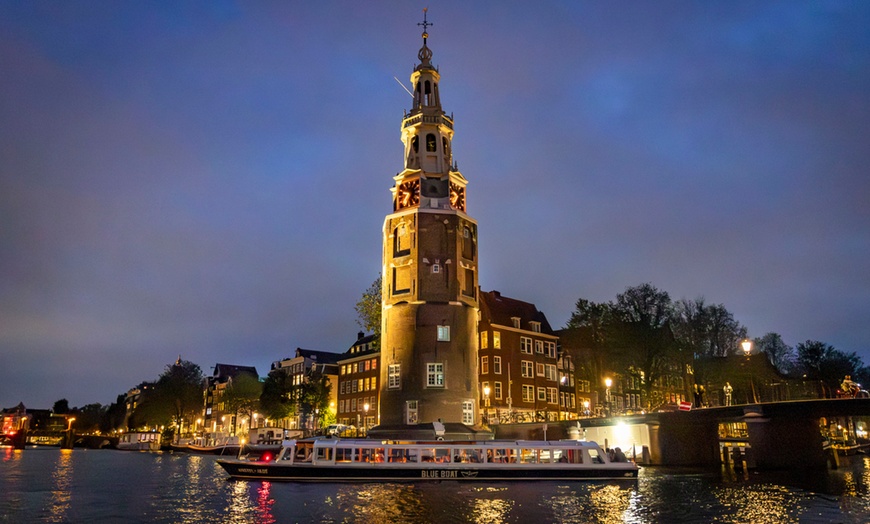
774 435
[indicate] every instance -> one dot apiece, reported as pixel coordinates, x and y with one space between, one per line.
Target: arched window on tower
468 247
427 94
431 144
401 241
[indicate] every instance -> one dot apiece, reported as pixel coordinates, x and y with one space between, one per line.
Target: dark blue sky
210 178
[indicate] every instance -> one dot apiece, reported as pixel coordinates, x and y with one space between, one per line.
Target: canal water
52 485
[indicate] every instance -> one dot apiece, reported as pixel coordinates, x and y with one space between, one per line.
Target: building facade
519 362
358 384
430 272
304 366
216 415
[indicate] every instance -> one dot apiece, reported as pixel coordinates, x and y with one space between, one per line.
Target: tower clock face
408 194
457 197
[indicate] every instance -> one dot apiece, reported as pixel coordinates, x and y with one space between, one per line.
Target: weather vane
425 23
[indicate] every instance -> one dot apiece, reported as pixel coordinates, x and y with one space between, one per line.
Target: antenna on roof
403 87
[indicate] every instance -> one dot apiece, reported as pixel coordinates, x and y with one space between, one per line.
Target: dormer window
516 322
536 326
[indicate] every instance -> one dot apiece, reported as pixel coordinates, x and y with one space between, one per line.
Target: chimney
360 335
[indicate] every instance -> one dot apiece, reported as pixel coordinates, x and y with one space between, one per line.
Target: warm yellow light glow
486 391
608 382
747 346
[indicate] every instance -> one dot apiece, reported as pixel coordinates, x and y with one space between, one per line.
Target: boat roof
333 442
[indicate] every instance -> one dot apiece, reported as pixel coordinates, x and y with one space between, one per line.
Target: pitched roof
231 370
321 357
498 309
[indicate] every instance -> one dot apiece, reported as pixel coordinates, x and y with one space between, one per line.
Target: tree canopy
368 308
176 397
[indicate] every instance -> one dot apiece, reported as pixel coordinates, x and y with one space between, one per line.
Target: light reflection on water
113 486
60 493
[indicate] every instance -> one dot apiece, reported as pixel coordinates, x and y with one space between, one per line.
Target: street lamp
607 383
747 349
255 419
366 421
486 391
586 408
69 422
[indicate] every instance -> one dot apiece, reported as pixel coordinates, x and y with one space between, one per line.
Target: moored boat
212 444
336 460
267 439
135 441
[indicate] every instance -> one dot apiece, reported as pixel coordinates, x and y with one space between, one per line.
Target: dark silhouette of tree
313 394
242 396
590 334
643 338
113 418
368 309
706 330
88 417
176 397
822 362
780 354
277 400
61 407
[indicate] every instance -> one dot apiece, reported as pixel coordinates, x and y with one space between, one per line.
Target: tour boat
139 441
361 460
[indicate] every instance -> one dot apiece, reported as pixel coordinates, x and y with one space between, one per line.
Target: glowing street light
607 383
366 417
747 347
486 391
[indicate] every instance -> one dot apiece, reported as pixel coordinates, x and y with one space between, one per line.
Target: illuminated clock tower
430 294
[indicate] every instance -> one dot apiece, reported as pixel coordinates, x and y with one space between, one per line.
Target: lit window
484 340
496 339
468 412
394 376
435 375
525 345
528 370
528 393
411 412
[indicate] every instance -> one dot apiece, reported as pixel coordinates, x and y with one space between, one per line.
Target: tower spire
425 54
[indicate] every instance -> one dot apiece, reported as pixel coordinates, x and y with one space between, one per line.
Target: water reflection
382 502
494 504
264 503
60 492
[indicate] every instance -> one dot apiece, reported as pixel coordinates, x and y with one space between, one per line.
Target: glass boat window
324 454
596 456
528 456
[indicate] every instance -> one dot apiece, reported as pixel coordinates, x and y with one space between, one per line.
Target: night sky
210 178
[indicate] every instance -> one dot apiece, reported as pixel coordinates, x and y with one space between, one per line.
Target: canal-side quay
766 436
775 435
